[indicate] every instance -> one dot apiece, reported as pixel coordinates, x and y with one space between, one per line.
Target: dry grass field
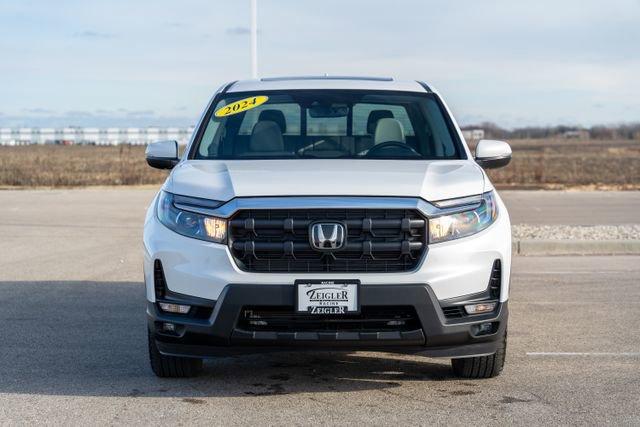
75 166
568 163
536 164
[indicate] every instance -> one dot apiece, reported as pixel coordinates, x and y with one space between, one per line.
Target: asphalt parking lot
73 343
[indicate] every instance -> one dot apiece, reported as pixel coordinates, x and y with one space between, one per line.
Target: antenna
254 39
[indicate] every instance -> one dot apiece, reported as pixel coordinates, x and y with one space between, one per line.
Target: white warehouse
93 136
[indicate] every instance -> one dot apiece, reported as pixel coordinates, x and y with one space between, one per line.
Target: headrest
373 118
388 130
274 116
266 136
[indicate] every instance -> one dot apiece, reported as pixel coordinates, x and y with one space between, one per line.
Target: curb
575 247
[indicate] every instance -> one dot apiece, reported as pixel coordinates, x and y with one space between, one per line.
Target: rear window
327 124
361 113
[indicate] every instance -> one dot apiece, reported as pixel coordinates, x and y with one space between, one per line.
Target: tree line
622 131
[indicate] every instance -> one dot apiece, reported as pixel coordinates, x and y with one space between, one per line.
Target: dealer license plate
327 296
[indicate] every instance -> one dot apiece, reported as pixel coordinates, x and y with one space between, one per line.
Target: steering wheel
375 150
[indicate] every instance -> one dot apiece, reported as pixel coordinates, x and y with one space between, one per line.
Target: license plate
327 296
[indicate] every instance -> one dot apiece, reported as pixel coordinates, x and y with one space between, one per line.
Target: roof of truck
327 82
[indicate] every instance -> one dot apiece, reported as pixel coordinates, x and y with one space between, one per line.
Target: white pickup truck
327 213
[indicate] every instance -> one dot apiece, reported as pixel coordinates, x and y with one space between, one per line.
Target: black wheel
171 366
481 366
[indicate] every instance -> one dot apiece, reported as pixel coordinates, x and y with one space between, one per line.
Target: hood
224 180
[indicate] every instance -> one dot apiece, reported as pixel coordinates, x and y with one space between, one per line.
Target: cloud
97 118
140 113
90 34
37 111
238 31
78 114
174 24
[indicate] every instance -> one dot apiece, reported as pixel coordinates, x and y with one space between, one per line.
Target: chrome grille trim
327 202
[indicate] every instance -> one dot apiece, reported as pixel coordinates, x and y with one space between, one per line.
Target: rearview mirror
491 154
162 154
317 110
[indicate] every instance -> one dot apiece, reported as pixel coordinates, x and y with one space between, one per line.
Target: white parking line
552 354
572 273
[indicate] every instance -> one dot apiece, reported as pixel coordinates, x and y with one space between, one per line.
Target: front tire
171 366
481 366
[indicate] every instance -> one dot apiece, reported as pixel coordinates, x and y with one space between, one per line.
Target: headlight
455 226
188 223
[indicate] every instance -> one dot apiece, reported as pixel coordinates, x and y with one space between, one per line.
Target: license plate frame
304 301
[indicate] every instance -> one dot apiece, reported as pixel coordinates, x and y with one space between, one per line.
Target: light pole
254 39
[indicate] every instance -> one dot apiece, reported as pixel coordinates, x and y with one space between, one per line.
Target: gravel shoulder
576 232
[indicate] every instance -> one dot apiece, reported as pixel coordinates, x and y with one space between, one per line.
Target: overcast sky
157 62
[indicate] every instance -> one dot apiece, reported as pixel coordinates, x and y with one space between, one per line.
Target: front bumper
217 333
204 269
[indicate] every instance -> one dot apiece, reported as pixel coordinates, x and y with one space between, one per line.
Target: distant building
93 136
5 136
473 134
576 134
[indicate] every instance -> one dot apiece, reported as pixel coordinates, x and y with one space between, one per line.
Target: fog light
174 308
168 327
484 307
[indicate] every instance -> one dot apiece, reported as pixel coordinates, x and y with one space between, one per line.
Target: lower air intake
370 319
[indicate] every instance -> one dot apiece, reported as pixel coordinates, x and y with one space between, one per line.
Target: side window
291 113
361 116
208 146
443 143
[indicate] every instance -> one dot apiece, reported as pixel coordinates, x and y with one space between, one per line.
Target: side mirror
162 154
492 154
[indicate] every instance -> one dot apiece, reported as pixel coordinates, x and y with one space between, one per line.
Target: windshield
319 124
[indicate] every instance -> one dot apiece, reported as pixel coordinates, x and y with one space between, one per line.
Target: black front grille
370 319
277 240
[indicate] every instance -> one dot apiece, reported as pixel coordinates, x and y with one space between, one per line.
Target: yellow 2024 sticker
240 106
